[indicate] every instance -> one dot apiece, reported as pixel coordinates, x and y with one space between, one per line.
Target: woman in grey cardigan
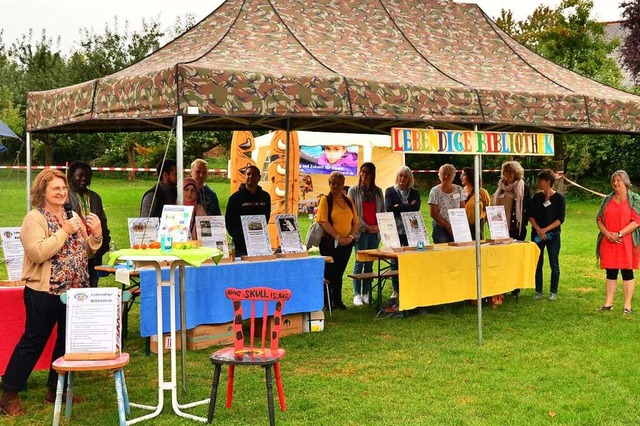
368 200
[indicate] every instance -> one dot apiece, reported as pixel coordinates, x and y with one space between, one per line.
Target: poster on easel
388 230
414 228
256 235
289 233
94 321
143 230
460 226
497 221
13 252
176 221
212 232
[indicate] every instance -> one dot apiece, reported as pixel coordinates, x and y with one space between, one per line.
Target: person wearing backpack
337 216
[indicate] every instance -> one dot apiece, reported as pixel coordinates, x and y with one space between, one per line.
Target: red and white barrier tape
105 169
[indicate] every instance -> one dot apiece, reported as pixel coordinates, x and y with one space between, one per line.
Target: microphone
69 211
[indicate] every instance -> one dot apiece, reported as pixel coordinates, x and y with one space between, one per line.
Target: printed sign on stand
94 321
289 233
256 235
414 228
143 230
497 220
460 225
388 230
212 232
13 252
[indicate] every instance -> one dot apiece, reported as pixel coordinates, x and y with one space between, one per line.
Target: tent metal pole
287 175
28 140
181 283
477 166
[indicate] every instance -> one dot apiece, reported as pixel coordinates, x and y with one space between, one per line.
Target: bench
377 281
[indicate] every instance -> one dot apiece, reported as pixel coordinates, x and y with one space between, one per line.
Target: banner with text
434 141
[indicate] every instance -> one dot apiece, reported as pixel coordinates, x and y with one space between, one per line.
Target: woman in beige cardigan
55 259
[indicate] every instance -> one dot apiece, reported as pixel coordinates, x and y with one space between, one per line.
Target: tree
570 38
631 46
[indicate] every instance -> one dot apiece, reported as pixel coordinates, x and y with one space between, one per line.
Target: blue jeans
553 250
440 234
365 242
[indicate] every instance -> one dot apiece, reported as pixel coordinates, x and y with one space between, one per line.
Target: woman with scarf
368 200
619 239
401 197
190 197
514 195
56 249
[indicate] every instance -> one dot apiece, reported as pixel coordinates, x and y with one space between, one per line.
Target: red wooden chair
263 355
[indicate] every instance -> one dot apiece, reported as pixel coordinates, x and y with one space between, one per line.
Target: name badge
501 196
456 196
546 203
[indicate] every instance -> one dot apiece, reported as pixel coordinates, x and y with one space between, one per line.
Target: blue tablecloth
205 286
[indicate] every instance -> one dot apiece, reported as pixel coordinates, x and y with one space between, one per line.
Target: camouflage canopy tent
339 65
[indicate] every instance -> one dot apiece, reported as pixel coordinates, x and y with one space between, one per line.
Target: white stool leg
125 394
118 376
70 377
57 408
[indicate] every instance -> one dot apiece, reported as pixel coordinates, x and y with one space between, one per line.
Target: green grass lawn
541 363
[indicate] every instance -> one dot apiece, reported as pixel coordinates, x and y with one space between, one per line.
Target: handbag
314 235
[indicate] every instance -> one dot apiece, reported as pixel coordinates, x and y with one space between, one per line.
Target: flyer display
143 230
212 232
256 235
388 230
13 252
289 233
93 323
497 220
414 228
176 221
460 225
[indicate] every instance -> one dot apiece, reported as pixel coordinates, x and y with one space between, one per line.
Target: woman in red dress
618 244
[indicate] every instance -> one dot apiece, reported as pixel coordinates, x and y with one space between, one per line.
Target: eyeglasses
59 189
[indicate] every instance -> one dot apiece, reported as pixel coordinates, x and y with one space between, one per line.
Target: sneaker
394 295
552 296
365 299
357 300
540 296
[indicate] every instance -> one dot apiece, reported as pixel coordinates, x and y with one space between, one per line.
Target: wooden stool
63 366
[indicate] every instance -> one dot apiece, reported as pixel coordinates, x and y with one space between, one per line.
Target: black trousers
333 272
43 311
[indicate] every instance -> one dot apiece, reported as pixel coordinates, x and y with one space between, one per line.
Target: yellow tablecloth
448 274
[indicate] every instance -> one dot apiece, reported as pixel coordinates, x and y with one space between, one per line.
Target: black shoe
341 306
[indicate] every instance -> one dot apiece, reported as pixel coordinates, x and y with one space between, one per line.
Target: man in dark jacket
84 201
250 199
165 192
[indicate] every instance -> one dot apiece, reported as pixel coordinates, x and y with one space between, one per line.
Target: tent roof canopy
347 65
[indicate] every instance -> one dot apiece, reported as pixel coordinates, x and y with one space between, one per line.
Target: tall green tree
631 45
568 36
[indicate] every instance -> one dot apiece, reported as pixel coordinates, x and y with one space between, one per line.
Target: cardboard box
313 321
207 335
291 324
166 343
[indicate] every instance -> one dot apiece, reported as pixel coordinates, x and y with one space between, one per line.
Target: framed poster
497 220
289 233
414 228
176 221
388 230
212 232
143 230
460 225
256 235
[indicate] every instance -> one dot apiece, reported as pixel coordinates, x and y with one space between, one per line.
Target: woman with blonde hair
442 197
338 218
618 245
514 195
56 249
207 198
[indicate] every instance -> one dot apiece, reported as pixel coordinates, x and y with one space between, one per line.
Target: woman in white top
443 197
